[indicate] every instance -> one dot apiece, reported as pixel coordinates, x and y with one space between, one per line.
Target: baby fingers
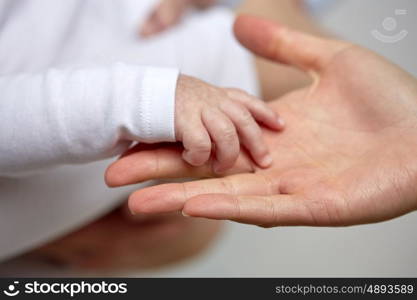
197 144
224 135
249 132
258 108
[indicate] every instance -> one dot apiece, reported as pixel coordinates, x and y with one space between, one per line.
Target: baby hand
168 13
211 119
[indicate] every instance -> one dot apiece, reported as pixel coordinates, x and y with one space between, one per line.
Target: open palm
347 156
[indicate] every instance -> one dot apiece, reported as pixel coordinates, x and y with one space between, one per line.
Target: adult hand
347 156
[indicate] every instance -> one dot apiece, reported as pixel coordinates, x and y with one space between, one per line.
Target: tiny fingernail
280 122
218 170
186 156
185 215
266 161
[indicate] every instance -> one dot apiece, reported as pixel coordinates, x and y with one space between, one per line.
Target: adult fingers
265 211
282 44
171 197
147 162
152 163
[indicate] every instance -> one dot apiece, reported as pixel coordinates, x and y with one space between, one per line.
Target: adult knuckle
265 226
237 208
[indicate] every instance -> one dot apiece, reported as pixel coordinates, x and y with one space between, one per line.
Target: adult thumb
285 45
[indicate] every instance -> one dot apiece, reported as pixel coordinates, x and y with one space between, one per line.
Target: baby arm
83 114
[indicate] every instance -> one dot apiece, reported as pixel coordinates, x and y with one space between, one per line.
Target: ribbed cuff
144 102
157 105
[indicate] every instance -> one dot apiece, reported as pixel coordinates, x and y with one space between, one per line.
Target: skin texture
347 155
215 121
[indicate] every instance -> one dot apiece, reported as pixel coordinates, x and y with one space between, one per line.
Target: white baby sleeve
78 115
